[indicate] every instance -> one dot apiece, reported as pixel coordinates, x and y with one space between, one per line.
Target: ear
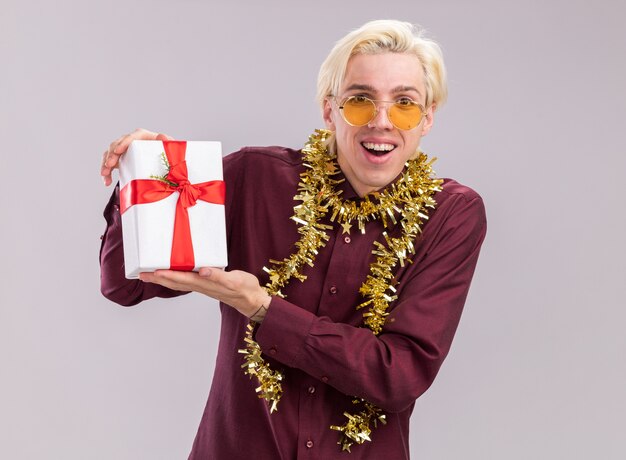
429 118
328 114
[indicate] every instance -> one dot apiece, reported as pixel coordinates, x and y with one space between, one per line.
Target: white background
535 123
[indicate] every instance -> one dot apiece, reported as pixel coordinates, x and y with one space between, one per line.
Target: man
347 311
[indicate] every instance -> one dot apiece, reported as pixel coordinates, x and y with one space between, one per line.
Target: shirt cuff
284 330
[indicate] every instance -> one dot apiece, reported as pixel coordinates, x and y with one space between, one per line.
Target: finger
164 137
221 279
115 143
216 275
121 146
146 277
205 272
176 275
112 157
105 171
118 148
188 281
107 168
180 281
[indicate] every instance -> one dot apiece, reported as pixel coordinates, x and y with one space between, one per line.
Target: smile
378 149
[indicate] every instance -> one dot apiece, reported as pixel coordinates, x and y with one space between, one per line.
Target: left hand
241 290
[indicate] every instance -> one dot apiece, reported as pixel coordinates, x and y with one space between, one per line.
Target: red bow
141 191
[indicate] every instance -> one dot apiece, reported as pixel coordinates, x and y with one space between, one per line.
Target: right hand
111 157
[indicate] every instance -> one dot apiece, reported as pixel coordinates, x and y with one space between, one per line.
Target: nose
381 119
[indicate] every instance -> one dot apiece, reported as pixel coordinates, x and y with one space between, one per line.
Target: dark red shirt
315 334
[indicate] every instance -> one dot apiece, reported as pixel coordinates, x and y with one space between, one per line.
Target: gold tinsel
406 200
357 428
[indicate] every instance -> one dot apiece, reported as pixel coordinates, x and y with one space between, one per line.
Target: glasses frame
375 102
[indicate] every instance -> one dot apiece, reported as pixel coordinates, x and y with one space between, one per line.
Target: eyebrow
402 89
371 89
356 86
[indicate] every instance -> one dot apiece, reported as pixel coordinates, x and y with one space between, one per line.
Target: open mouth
378 149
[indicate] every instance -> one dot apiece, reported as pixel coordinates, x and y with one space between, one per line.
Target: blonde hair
380 37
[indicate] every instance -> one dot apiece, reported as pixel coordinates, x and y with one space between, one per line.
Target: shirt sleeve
393 369
113 283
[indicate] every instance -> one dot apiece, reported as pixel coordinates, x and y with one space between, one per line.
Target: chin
375 185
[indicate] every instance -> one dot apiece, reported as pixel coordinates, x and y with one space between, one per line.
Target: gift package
172 205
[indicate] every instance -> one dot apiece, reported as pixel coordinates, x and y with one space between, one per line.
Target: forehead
385 72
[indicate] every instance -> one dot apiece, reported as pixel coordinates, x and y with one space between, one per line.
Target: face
372 156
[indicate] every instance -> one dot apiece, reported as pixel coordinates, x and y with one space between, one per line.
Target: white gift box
148 228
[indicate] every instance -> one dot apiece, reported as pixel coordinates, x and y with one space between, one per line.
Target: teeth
378 147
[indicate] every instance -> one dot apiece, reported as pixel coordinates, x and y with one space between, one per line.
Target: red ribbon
141 191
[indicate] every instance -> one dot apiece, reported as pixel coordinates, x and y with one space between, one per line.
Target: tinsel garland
408 198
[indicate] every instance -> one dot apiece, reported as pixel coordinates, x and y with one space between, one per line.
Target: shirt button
324 379
311 389
309 443
116 207
333 289
273 351
347 239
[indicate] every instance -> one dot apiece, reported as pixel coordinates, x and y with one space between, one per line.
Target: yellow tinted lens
358 111
405 115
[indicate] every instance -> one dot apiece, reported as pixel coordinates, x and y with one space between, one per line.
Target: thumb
216 275
164 137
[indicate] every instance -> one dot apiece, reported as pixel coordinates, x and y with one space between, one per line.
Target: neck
360 188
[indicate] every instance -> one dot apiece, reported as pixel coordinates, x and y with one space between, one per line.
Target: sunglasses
360 110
